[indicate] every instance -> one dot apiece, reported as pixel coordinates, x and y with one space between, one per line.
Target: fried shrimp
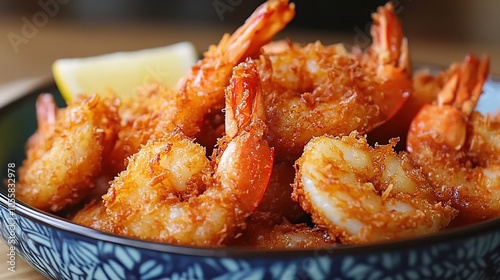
362 194
170 191
262 232
316 89
202 89
64 155
459 148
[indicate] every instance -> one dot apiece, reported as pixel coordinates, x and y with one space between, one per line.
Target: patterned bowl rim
64 225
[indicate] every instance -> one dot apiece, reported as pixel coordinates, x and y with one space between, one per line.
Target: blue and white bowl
60 249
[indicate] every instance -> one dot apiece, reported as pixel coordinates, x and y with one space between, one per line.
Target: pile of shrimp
267 144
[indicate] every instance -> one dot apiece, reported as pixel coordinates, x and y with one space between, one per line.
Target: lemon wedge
123 72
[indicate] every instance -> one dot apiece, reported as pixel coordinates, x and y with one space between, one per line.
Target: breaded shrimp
316 89
170 191
362 194
201 91
263 233
64 155
458 148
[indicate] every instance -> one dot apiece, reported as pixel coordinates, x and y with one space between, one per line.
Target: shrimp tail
389 57
248 153
46 111
389 42
466 85
446 122
244 102
258 30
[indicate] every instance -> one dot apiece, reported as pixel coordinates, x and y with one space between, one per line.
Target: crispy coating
94 215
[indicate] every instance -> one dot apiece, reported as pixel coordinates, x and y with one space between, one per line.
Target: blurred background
35 33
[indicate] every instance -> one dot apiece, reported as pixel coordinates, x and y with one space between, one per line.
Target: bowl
60 249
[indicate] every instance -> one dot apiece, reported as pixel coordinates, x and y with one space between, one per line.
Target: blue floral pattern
60 254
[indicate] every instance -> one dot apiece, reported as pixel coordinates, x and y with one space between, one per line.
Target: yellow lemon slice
123 72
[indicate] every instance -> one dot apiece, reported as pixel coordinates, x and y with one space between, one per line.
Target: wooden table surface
33 58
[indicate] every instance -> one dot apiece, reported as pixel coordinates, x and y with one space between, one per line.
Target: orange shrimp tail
258 30
396 91
389 57
255 168
437 125
445 123
251 155
243 98
465 86
388 39
46 111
